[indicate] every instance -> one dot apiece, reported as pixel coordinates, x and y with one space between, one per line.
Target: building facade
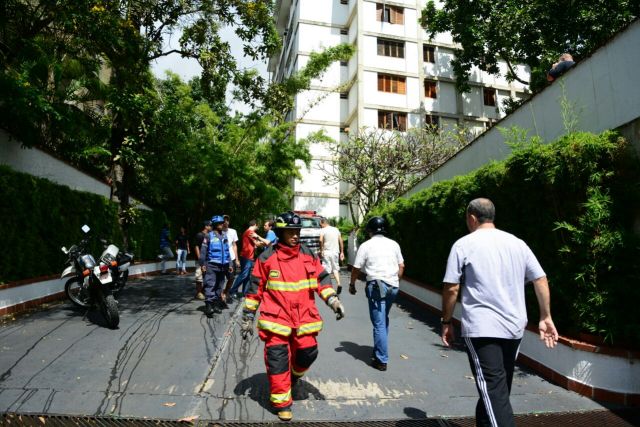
398 78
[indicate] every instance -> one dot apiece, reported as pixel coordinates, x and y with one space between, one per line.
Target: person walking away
331 250
165 248
492 266
215 263
382 261
232 235
196 247
182 250
247 257
283 283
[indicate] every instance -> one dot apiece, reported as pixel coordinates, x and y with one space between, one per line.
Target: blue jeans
246 265
379 314
181 262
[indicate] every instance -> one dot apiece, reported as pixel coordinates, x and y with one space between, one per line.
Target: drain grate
628 417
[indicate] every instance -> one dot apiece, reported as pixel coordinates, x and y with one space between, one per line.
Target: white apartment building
397 78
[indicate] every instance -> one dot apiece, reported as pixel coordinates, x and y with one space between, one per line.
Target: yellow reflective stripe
298 374
326 293
310 328
277 285
276 328
251 304
281 398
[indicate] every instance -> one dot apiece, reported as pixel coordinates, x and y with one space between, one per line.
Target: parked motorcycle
91 281
119 270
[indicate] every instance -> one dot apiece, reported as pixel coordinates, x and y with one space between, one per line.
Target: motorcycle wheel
78 295
109 310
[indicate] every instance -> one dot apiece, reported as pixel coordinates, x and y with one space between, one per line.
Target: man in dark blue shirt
565 61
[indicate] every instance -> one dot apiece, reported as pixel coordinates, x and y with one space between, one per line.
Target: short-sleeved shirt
330 239
492 267
183 241
380 258
271 237
232 235
248 245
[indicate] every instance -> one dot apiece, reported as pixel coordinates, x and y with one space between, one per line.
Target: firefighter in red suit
283 283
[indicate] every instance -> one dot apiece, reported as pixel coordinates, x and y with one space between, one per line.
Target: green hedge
38 217
574 201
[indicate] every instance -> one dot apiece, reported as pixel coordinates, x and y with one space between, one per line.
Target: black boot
217 308
208 309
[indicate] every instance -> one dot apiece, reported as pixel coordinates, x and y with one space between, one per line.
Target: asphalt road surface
168 361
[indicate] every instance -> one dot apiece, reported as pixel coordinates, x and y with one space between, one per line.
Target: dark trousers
214 279
492 362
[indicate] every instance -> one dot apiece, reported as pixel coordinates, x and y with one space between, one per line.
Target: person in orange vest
283 283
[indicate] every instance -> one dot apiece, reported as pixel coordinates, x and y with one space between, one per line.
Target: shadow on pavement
357 351
257 387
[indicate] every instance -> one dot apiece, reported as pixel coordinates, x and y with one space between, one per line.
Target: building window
344 31
390 48
430 89
489 95
392 120
429 53
344 95
344 1
344 63
390 14
432 121
393 84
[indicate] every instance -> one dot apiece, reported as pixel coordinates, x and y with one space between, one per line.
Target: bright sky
188 68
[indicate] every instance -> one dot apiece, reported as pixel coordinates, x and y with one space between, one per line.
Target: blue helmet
217 219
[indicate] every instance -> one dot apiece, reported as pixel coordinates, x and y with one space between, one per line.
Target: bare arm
449 298
548 332
400 270
341 248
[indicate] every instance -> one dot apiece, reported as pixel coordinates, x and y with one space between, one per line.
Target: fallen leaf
404 357
443 355
169 404
188 419
42 420
469 377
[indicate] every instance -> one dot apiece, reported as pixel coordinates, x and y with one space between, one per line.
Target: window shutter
379 10
402 85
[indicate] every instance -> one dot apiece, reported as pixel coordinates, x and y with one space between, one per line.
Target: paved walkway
167 360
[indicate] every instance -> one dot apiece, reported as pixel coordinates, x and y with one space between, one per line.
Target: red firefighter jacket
283 283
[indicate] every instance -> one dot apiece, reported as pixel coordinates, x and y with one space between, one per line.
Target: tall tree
532 32
381 165
203 161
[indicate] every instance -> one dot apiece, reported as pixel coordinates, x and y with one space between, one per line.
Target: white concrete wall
604 88
618 374
325 206
318 105
324 11
38 163
21 294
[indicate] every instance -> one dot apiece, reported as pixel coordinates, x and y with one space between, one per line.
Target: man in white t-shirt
492 266
232 236
381 260
331 251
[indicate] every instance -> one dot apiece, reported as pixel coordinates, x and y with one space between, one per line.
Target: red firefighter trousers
284 357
